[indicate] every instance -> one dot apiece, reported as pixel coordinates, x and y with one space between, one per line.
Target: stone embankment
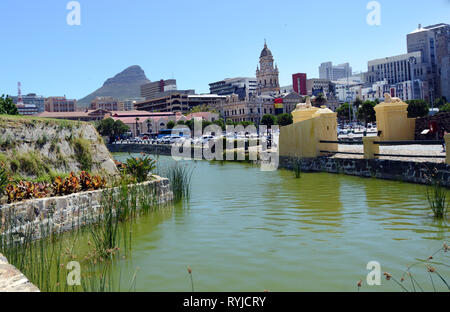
12 280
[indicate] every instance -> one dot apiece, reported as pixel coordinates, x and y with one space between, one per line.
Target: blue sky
196 41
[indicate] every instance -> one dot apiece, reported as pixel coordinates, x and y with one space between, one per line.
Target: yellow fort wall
301 139
393 121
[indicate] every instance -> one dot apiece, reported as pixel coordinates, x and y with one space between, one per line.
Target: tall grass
437 199
180 177
96 246
297 168
436 194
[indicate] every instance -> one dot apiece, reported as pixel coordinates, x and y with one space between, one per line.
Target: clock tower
266 73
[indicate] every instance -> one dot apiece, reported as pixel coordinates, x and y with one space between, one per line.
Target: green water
248 230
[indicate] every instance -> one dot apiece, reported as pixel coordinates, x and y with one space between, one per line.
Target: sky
196 42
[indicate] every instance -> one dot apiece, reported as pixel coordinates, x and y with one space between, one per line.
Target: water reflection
248 230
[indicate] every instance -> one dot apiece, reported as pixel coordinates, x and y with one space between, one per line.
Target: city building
330 72
434 44
105 102
299 83
152 89
243 86
315 86
179 102
33 100
396 69
59 104
267 73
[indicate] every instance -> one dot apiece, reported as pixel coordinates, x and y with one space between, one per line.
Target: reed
180 177
297 168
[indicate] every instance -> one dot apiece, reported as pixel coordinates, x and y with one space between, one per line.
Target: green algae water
243 229
248 230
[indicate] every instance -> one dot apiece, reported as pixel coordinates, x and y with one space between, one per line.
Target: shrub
26 190
138 168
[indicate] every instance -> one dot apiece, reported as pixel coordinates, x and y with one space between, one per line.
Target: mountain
126 84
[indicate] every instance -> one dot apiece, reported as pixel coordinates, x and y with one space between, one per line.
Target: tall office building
244 87
152 90
434 44
330 72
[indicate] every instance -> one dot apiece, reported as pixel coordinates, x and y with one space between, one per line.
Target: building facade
299 83
244 87
106 103
152 89
59 104
330 72
434 44
32 99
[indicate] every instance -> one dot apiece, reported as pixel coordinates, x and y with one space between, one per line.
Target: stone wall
156 149
65 213
12 280
405 171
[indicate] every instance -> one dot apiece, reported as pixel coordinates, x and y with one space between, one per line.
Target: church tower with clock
267 73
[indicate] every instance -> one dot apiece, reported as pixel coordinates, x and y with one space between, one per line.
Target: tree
417 108
366 112
268 120
284 119
202 108
221 123
246 123
440 101
7 106
343 111
181 122
357 103
445 108
320 99
170 124
110 128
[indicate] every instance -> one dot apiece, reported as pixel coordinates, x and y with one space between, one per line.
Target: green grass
180 176
82 150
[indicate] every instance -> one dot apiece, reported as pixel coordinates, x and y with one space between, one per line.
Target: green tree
221 123
445 108
343 111
201 109
284 120
417 108
366 112
357 103
181 122
440 101
7 106
110 128
170 124
246 123
268 120
320 99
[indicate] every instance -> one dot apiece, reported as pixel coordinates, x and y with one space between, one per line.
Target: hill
126 84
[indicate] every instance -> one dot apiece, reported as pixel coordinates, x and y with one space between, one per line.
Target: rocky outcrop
126 84
12 280
34 147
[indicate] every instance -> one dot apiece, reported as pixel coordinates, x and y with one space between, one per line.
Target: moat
247 230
